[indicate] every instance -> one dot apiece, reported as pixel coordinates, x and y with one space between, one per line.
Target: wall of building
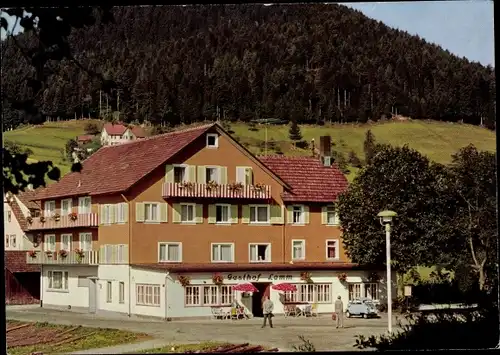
74 296
148 277
200 236
114 274
12 228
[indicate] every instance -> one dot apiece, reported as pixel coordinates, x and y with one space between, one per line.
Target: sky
465 28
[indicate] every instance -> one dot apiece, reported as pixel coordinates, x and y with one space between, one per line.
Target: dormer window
212 140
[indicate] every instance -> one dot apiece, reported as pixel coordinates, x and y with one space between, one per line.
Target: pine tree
369 146
294 132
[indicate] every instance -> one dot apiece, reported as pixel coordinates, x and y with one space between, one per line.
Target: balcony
107 254
229 191
75 220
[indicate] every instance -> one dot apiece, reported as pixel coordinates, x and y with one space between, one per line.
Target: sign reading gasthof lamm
259 277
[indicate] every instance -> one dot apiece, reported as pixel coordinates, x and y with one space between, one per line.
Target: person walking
268 307
339 312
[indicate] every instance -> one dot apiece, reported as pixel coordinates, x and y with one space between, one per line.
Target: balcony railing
107 254
216 191
77 220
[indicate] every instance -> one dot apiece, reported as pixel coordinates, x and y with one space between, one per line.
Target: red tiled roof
115 129
231 267
116 168
138 132
15 261
26 197
309 179
85 138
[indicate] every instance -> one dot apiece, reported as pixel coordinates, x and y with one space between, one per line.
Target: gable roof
309 179
114 129
138 132
85 138
26 198
116 168
18 214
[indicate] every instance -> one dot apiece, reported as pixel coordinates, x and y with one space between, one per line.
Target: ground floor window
310 293
210 295
354 291
58 280
372 291
109 292
148 295
121 292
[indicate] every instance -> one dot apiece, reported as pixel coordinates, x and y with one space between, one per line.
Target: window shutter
101 255
191 171
248 176
201 174
198 213
101 214
176 213
268 253
139 212
234 214
164 212
324 215
337 219
245 214
306 214
240 174
253 253
112 218
289 214
277 214
212 210
125 212
117 209
223 175
169 173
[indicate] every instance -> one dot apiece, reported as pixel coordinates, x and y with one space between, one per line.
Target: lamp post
386 220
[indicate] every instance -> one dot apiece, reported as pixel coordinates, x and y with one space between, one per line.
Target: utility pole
118 104
100 104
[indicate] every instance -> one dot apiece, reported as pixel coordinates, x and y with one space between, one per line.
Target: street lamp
386 219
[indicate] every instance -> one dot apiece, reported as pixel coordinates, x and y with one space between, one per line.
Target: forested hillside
311 63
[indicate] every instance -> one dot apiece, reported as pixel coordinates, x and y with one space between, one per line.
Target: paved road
320 331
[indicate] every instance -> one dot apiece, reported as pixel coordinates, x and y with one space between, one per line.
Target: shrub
305 347
354 160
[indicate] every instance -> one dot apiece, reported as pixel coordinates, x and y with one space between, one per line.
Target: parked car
361 307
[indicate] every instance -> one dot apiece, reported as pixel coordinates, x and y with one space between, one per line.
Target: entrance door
92 295
258 297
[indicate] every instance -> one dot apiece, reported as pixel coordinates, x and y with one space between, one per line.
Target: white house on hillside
113 134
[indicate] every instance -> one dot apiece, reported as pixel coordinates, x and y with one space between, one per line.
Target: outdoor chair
311 310
289 310
217 313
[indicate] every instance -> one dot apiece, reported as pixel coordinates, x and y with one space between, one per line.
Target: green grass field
437 140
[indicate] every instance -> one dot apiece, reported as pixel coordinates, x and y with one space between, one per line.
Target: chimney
325 146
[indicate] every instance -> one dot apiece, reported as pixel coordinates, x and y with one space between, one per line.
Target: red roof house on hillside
114 134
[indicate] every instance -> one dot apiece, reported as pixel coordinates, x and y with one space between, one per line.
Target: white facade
15 237
157 293
107 139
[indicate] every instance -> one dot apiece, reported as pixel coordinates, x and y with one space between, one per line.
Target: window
121 212
121 292
311 293
49 243
298 249
212 140
66 242
148 295
84 205
107 214
209 295
371 291
354 291
332 217
244 175
259 214
9 216
222 214
10 241
187 213
298 215
260 252
109 292
170 252
332 249
57 280
66 206
211 174
7 238
151 212
179 174
222 253
192 295
85 241
50 208
34 212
